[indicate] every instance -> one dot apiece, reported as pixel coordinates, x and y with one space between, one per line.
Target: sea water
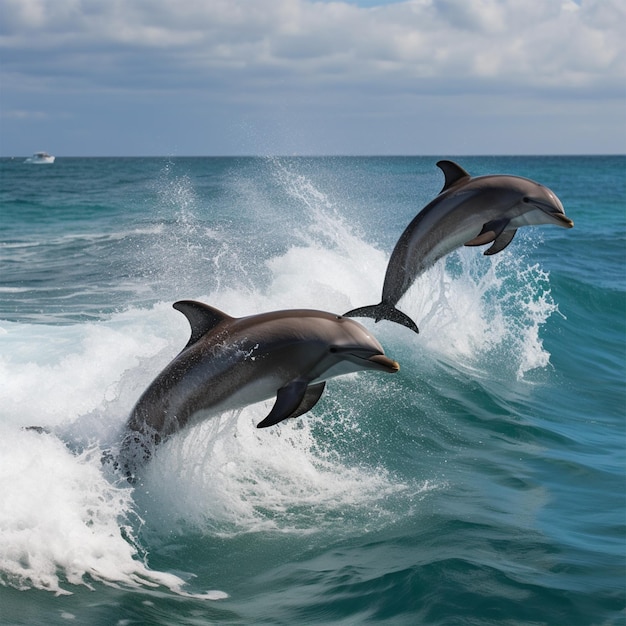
482 484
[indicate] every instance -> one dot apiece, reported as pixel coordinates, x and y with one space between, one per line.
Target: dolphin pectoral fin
482 239
501 242
311 397
202 317
293 400
452 172
384 311
490 232
288 399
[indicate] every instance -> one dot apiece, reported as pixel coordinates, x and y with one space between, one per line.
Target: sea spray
474 309
63 524
469 306
226 477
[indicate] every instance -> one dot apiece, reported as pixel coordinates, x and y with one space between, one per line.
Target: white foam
61 522
226 477
55 374
489 312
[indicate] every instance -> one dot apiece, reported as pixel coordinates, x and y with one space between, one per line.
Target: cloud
313 76
17 114
546 45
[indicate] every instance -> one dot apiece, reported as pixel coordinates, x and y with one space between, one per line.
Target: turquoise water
482 484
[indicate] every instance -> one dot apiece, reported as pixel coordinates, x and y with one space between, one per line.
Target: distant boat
40 157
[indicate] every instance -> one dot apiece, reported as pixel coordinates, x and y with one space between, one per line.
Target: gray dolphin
468 211
230 362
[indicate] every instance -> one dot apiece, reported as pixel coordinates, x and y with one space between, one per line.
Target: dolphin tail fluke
384 311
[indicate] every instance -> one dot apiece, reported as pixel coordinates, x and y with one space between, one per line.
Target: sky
312 77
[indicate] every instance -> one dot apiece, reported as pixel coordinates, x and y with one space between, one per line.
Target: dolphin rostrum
231 362
468 211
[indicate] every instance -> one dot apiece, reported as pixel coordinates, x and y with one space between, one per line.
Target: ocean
483 484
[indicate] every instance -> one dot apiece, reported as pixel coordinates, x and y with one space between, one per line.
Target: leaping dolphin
468 211
230 362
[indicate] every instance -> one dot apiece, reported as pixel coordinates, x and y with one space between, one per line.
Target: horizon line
322 156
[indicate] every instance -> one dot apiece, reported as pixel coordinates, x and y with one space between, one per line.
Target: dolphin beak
384 363
558 215
565 221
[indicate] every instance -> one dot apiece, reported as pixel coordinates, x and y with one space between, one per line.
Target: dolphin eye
525 199
333 350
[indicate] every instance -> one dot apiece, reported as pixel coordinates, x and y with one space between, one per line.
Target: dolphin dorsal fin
453 173
202 317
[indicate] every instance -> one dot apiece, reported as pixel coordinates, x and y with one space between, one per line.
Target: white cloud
547 44
315 76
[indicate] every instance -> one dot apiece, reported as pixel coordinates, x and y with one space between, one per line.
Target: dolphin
468 211
231 362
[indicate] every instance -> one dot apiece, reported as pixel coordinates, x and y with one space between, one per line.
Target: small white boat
40 157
